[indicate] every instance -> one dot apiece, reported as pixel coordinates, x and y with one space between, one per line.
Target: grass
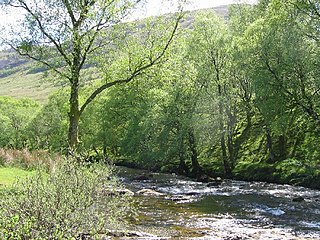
21 85
27 160
37 86
8 176
20 164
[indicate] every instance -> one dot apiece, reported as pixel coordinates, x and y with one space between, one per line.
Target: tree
210 51
64 35
49 127
288 60
310 11
15 115
281 59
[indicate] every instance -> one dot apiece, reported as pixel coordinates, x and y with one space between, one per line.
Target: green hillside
22 78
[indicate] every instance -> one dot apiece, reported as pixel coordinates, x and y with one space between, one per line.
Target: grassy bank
8 175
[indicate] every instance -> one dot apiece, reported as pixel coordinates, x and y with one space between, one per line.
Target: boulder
192 193
124 191
117 192
130 234
149 192
143 177
298 199
204 178
215 182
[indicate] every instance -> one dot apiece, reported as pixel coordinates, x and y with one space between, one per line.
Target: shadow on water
233 210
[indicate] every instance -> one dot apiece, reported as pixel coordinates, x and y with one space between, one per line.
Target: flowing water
234 210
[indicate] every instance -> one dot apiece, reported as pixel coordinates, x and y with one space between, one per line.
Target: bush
254 171
72 202
299 172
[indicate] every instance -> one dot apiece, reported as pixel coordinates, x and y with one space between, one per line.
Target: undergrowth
72 202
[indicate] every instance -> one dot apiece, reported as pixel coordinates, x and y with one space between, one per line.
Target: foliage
255 171
237 98
15 115
74 201
48 129
298 172
65 35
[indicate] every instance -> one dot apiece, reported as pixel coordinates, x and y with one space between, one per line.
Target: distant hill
20 77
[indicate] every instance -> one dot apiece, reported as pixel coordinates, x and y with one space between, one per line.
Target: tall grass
29 160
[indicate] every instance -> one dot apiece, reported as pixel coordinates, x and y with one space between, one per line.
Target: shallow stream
233 210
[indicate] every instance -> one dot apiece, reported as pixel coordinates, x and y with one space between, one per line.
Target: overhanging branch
138 71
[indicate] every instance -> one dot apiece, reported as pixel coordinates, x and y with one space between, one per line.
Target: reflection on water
233 210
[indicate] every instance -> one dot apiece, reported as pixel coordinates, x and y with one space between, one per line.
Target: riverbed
232 210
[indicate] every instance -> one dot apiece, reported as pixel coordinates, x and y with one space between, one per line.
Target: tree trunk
183 167
74 116
226 165
227 169
238 142
282 147
196 169
231 150
272 157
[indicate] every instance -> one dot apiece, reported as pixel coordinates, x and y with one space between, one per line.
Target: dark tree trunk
196 169
231 150
227 168
271 157
238 142
183 167
226 165
282 147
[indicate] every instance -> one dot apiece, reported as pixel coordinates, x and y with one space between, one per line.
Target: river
233 210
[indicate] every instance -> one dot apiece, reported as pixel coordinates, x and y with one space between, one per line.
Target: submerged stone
298 199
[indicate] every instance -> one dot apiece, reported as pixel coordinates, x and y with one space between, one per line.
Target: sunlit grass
26 85
8 176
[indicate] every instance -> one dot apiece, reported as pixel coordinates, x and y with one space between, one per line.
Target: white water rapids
232 211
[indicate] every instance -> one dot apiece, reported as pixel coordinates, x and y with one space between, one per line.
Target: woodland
191 93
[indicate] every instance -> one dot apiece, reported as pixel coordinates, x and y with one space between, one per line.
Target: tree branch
25 6
26 54
70 12
138 71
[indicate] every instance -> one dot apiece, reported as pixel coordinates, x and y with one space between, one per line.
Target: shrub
72 202
254 171
299 172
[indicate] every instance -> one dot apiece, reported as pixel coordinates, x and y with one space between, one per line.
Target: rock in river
298 199
149 192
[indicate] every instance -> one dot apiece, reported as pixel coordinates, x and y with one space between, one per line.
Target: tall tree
282 61
65 34
310 11
287 70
